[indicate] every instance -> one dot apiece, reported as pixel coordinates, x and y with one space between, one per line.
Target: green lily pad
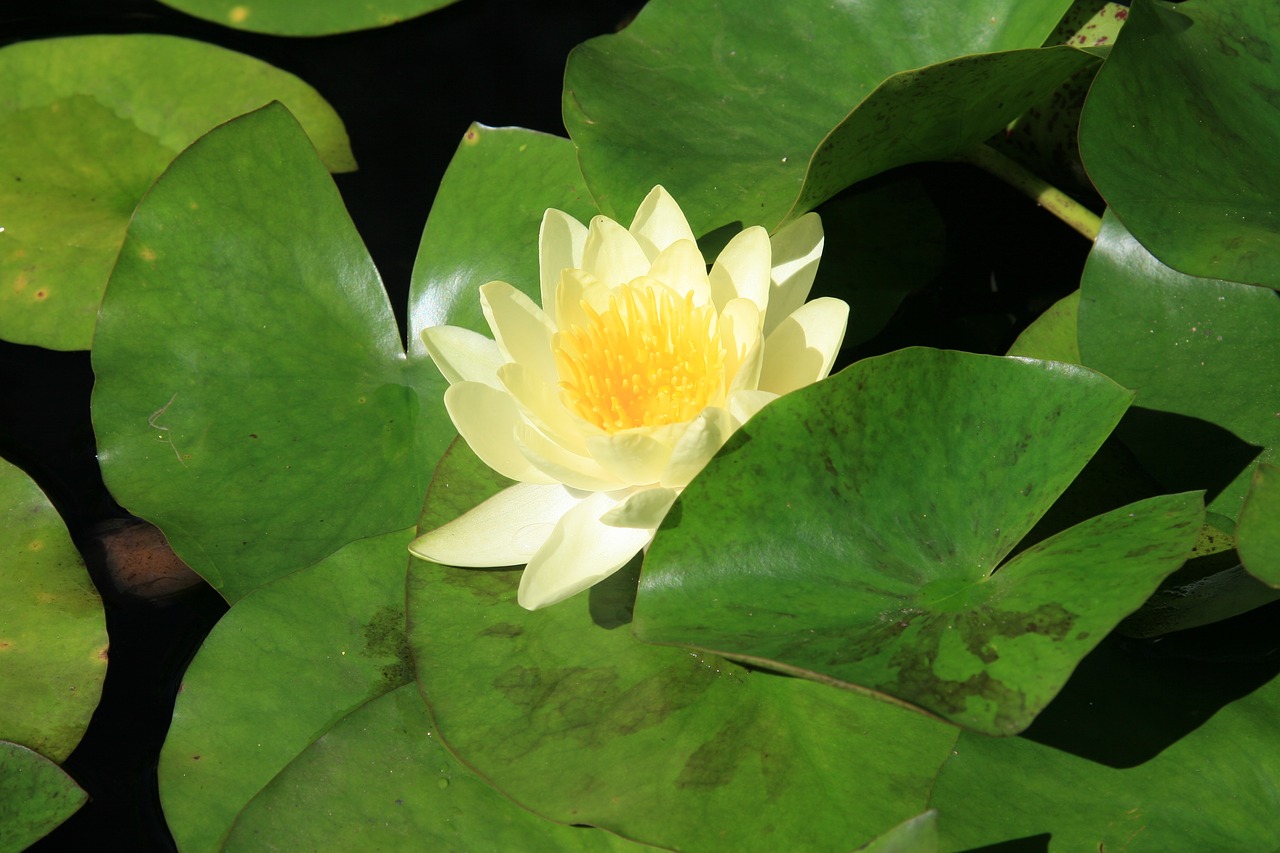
1137 760
35 797
53 635
282 667
725 103
856 531
87 124
565 712
918 835
1187 85
1202 356
313 18
379 780
1053 334
252 397
1258 531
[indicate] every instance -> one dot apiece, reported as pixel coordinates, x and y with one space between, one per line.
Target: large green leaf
53 635
1179 134
725 103
1053 334
287 662
1258 533
1145 751
379 780
312 18
565 712
87 123
252 399
1200 353
855 532
35 796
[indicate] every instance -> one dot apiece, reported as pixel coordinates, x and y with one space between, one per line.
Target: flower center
649 359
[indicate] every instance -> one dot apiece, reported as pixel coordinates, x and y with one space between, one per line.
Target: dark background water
407 94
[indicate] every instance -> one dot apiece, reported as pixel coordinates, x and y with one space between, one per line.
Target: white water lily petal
542 406
576 472
463 355
560 242
580 552
576 287
486 419
682 268
637 457
521 329
611 254
644 509
659 222
743 405
740 336
742 269
506 530
804 346
706 433
797 248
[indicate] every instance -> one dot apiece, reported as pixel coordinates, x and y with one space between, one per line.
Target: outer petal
611 254
521 329
797 248
463 355
742 269
659 222
541 404
580 552
644 510
637 457
804 346
706 433
743 405
561 466
505 530
486 418
560 241
740 335
681 267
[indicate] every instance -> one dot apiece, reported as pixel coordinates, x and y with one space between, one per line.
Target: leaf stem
1052 199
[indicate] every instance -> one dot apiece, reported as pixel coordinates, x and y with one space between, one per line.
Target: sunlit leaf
312 18
87 123
725 103
1258 531
53 635
565 712
1180 130
856 532
1053 334
35 796
1201 355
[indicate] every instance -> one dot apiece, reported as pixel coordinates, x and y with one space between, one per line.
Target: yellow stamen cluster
649 359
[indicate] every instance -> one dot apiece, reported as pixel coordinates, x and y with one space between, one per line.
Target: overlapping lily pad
88 122
53 635
1258 531
1179 134
35 796
725 103
856 531
565 712
313 18
1202 356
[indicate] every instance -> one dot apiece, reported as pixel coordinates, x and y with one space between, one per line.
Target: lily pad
53 634
1052 336
1258 531
35 797
918 835
313 18
1185 85
251 394
283 666
856 531
379 780
87 124
1202 356
725 103
1151 752
565 712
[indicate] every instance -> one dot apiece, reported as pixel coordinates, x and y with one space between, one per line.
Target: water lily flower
606 401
